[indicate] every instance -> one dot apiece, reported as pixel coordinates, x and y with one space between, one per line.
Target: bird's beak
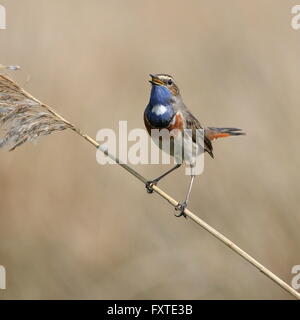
155 80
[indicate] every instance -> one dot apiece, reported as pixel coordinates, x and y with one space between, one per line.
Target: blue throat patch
159 111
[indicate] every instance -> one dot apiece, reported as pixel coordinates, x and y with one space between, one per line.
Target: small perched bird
166 110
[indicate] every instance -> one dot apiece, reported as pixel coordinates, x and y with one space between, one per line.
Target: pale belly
182 148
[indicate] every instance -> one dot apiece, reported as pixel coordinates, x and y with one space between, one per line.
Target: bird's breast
159 116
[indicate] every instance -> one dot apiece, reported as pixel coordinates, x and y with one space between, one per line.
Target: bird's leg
182 205
150 183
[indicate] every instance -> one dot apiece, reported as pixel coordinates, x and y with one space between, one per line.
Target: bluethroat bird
166 110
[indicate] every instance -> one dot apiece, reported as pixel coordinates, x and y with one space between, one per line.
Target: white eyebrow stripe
165 77
159 109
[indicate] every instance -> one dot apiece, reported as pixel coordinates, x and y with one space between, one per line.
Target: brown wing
193 124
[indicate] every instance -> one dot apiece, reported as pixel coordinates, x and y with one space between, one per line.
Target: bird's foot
150 184
181 207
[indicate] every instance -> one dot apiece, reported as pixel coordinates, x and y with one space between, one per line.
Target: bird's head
164 89
166 81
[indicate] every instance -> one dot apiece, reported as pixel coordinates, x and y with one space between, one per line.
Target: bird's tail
215 133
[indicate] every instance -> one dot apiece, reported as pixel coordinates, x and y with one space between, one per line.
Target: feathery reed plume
23 119
26 118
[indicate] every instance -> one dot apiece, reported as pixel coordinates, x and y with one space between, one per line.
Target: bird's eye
170 82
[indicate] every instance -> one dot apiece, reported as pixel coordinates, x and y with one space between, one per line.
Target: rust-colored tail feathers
212 133
215 133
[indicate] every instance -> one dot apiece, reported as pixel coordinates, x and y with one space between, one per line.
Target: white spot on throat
159 109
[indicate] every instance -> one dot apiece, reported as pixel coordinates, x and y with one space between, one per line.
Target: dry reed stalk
24 118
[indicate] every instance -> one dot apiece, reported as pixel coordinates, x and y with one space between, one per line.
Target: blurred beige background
72 229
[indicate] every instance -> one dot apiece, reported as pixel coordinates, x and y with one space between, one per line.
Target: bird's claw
180 207
150 184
